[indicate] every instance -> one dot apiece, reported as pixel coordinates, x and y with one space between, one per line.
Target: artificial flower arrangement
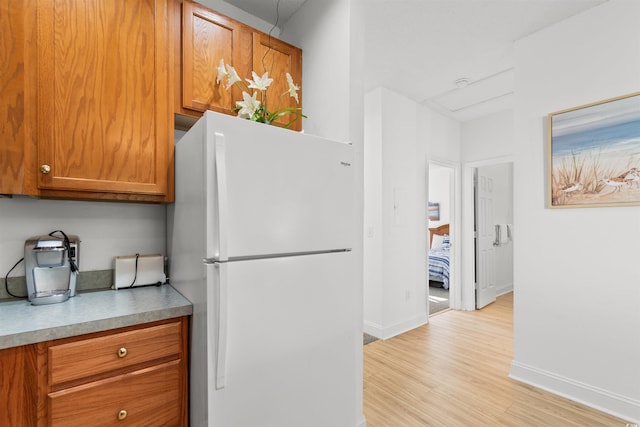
251 107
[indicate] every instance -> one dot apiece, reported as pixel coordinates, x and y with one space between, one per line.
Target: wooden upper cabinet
279 58
18 92
207 37
105 85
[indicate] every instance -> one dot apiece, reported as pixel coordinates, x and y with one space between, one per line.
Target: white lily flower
233 76
260 83
293 89
222 73
248 105
252 109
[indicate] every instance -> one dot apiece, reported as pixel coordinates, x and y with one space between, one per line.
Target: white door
485 253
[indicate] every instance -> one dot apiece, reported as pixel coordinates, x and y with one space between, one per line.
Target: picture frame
434 211
594 154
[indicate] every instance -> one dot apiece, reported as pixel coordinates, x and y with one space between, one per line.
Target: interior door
485 253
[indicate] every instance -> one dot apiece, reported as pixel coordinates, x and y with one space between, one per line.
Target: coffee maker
51 267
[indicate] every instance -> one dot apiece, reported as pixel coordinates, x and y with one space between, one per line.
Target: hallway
454 372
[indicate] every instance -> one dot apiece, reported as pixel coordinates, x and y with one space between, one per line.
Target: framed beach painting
594 154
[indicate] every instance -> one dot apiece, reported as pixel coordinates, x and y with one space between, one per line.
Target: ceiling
420 48
266 9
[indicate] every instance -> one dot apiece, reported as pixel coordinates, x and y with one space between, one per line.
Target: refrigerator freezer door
276 191
290 343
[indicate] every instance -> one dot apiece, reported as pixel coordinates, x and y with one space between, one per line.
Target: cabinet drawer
99 355
148 397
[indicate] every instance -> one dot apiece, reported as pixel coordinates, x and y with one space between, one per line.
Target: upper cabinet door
278 58
105 122
208 37
18 91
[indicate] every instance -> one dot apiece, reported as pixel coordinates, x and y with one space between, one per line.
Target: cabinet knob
45 169
122 352
122 414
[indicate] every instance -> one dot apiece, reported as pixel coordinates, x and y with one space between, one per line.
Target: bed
439 246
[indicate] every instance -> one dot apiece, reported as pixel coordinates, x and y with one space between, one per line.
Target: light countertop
22 323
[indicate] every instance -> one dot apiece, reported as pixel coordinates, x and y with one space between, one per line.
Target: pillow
446 243
437 241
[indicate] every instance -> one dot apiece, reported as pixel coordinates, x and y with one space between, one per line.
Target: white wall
489 137
373 266
394 296
399 137
322 28
106 230
577 283
439 135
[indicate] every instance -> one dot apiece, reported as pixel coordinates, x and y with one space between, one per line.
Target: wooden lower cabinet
78 359
17 393
146 397
134 376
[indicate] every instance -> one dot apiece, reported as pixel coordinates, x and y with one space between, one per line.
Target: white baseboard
605 401
384 333
504 289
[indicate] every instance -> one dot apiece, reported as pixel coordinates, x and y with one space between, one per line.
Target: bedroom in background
440 208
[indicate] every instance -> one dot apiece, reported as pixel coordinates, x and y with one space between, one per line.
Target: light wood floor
454 372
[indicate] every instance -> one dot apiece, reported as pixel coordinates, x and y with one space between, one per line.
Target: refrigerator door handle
223 196
221 345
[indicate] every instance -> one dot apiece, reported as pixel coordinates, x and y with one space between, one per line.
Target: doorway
441 228
488 245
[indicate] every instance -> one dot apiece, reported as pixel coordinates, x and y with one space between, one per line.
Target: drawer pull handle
122 353
122 414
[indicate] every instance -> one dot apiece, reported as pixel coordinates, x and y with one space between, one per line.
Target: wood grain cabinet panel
148 397
94 356
206 37
279 58
104 122
86 107
135 376
18 402
17 87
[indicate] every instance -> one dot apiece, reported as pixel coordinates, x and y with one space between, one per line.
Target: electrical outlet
370 232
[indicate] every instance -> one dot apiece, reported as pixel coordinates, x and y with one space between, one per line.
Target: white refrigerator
259 240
